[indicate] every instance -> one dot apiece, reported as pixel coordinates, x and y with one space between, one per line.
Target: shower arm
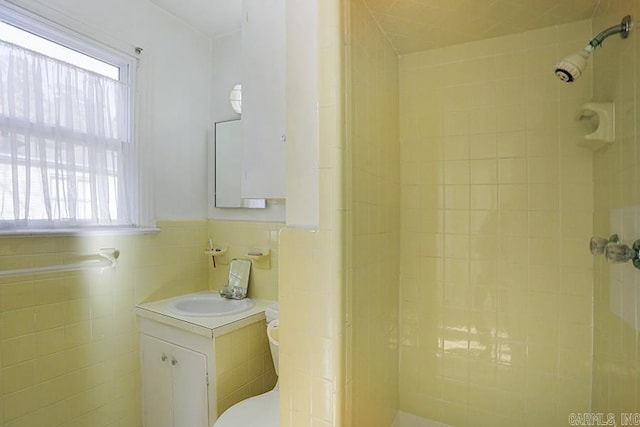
623 29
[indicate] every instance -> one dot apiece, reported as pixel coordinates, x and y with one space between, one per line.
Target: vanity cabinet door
174 385
190 406
157 397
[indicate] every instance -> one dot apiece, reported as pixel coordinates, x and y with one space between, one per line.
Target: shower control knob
174 361
619 252
163 357
597 245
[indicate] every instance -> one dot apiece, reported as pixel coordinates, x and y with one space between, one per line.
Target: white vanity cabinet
178 362
175 368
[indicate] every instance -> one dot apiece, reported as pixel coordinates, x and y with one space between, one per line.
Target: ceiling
413 25
212 17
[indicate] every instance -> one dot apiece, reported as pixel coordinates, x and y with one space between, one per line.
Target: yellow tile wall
244 367
240 237
497 201
372 192
310 344
616 376
311 269
69 341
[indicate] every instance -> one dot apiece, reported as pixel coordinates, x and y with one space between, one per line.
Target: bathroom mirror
239 273
238 283
228 167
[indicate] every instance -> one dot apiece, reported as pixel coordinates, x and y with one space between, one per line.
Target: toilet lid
257 411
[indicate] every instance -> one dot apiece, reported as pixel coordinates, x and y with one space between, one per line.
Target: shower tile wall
497 200
616 374
373 227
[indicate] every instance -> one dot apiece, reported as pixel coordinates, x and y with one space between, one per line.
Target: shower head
572 66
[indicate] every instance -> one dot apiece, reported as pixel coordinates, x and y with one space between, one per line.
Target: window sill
52 232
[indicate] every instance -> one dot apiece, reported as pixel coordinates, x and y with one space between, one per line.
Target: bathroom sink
207 305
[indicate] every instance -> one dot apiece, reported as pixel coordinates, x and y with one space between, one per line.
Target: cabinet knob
163 357
174 361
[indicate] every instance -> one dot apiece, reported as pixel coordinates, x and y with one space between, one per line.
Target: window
66 152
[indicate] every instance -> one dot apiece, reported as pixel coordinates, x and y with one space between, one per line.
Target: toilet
261 410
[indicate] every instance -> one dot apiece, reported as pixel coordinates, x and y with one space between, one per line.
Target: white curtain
65 153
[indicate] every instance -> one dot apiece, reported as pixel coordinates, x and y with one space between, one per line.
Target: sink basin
207 305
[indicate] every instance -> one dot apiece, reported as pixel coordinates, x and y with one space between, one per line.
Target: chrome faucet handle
597 244
619 252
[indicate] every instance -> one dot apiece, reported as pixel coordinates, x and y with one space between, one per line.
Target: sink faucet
233 292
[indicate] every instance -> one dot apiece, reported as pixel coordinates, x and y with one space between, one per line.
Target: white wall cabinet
176 385
263 51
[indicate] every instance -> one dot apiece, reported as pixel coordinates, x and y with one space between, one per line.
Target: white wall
177 60
188 76
226 72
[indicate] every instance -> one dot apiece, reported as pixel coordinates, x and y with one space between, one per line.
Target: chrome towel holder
105 258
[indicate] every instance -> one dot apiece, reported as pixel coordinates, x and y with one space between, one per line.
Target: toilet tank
271 312
273 334
272 315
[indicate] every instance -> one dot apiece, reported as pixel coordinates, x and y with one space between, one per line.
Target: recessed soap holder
601 119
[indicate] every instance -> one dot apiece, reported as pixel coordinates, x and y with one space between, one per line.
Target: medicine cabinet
228 167
250 153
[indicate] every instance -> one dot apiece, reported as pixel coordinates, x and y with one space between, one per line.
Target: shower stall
472 298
